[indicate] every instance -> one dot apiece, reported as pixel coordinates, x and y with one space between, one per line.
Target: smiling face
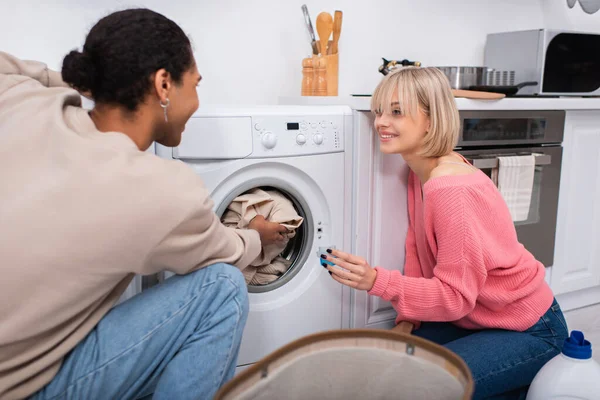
400 133
415 113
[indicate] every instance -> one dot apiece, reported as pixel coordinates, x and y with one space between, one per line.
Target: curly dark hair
122 51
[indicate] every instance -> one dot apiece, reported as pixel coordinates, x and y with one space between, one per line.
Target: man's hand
270 232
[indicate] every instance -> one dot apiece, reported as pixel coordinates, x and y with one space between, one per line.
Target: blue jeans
503 363
178 340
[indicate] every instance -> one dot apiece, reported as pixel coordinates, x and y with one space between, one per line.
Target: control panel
279 135
228 133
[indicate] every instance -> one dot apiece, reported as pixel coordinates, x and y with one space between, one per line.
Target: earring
164 106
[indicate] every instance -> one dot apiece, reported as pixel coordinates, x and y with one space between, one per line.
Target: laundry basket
354 364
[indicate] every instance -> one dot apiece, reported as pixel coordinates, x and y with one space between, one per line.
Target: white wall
557 15
250 51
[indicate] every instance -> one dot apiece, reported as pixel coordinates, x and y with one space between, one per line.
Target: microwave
563 63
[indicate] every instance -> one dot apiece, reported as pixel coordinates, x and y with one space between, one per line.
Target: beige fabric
354 364
357 373
275 207
81 212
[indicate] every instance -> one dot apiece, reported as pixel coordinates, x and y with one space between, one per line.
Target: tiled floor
587 320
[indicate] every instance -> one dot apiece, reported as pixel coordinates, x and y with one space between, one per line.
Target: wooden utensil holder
317 83
332 67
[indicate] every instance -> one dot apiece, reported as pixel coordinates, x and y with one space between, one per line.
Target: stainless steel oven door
537 233
511 128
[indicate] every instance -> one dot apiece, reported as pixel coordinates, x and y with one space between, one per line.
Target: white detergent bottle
571 375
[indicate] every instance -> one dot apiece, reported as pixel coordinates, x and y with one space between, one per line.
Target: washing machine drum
276 262
354 364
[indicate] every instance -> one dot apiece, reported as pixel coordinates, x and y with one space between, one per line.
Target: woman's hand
356 272
270 232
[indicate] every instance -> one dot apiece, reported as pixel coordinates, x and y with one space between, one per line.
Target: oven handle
486 163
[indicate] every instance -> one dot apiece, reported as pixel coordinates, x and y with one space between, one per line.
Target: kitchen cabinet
576 271
380 217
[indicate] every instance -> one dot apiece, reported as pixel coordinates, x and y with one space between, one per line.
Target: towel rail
492 162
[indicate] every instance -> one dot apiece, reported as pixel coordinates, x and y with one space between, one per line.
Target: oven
487 135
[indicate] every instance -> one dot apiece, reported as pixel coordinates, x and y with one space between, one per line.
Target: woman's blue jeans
503 363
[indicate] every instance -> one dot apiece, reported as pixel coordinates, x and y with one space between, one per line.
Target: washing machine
304 152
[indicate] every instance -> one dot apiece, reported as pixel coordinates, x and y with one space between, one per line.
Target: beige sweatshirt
81 212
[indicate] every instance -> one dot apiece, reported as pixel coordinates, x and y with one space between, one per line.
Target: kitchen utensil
388 65
337 30
468 94
308 76
320 81
311 31
324 28
465 77
332 67
508 90
473 94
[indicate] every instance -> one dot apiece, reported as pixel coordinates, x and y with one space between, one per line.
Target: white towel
515 183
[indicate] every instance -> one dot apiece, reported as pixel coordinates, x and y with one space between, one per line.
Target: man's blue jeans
503 363
179 340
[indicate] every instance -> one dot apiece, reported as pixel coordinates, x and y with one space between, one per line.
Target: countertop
512 103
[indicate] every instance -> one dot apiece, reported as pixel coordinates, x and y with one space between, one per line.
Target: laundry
274 207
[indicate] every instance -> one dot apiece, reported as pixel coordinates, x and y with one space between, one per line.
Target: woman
84 208
478 291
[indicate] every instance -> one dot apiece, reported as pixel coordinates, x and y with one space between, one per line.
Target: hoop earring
164 107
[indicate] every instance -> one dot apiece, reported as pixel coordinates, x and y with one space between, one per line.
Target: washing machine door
305 299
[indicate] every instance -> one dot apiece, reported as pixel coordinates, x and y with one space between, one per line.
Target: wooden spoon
324 28
337 30
474 94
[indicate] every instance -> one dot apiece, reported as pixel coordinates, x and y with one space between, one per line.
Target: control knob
269 140
301 139
318 138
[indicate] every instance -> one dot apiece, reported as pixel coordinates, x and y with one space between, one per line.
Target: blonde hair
431 90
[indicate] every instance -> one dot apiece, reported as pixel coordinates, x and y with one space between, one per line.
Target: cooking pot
465 77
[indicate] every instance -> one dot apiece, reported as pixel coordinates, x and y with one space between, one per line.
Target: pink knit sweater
464 262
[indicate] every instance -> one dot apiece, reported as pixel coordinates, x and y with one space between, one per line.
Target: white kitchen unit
576 270
380 213
380 217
